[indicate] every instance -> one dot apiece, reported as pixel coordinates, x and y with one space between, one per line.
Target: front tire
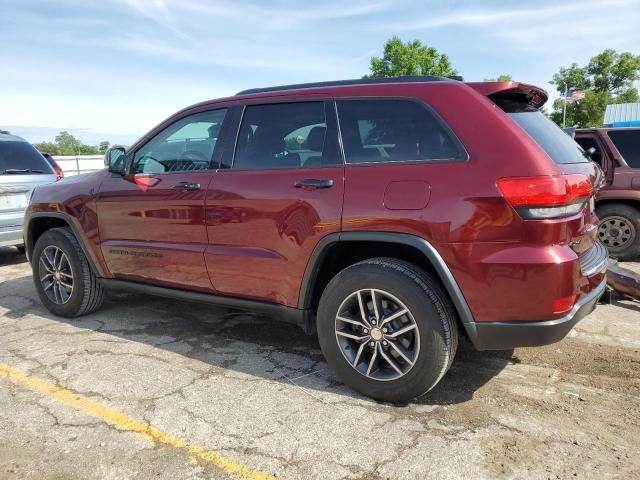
387 329
619 230
63 278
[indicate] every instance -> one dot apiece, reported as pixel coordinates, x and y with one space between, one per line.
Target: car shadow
625 302
240 341
11 256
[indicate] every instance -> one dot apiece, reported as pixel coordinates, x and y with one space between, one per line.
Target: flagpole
564 110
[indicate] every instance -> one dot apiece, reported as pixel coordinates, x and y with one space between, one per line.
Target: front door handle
313 183
186 186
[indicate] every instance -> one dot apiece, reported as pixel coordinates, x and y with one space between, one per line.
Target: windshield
557 144
22 158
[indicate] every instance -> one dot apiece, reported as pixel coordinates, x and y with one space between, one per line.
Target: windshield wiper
14 171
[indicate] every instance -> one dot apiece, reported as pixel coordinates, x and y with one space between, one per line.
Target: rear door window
395 130
628 144
21 158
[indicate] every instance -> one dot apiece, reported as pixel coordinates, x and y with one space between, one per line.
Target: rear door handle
313 183
186 186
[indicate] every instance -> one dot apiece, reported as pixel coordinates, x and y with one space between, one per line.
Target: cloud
492 17
82 63
158 12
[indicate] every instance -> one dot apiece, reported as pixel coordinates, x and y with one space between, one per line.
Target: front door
282 194
152 219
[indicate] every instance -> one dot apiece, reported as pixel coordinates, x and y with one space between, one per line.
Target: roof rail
358 81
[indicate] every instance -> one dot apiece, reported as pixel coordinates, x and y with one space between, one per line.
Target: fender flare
428 250
68 219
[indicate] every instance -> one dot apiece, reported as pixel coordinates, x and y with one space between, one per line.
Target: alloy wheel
56 275
377 334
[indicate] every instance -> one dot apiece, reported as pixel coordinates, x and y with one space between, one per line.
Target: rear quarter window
15 155
628 144
557 144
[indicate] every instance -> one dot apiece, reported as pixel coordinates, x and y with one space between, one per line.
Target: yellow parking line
123 422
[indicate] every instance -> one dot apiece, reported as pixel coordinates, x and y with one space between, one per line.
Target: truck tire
63 278
619 230
387 329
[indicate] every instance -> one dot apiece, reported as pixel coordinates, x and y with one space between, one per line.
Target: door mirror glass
114 159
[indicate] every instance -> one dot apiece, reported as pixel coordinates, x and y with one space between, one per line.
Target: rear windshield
628 144
557 144
21 156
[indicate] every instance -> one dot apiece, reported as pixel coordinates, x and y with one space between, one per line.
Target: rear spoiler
513 91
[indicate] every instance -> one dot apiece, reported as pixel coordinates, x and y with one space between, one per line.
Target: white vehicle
22 168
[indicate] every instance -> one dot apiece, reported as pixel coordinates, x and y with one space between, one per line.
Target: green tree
500 78
607 79
571 77
88 150
410 58
614 72
104 146
47 147
68 144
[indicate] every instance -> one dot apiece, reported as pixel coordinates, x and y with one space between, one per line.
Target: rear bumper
508 335
11 236
11 228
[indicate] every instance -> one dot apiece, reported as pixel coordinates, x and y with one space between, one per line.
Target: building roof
622 115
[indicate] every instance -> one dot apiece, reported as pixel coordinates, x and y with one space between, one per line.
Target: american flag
574 95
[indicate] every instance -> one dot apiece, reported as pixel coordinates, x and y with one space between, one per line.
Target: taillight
59 173
553 196
562 304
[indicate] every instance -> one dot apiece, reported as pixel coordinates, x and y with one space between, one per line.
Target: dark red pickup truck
617 151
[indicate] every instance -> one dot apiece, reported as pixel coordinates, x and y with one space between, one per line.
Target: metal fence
74 165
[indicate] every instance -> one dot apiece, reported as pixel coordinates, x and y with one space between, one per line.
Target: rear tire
63 278
388 357
619 230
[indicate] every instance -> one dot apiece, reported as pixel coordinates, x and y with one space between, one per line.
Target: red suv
387 215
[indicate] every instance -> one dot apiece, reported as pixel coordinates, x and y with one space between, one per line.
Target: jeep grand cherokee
386 215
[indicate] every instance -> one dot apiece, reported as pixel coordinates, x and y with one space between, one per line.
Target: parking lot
148 387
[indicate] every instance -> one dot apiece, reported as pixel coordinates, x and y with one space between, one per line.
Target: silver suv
22 168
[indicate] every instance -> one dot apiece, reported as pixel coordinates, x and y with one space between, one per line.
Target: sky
113 69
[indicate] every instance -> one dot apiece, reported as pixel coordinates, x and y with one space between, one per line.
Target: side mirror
114 159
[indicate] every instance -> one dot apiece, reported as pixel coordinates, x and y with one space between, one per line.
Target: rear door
152 220
281 195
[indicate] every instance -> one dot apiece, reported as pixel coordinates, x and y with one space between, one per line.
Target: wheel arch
339 250
40 222
631 202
